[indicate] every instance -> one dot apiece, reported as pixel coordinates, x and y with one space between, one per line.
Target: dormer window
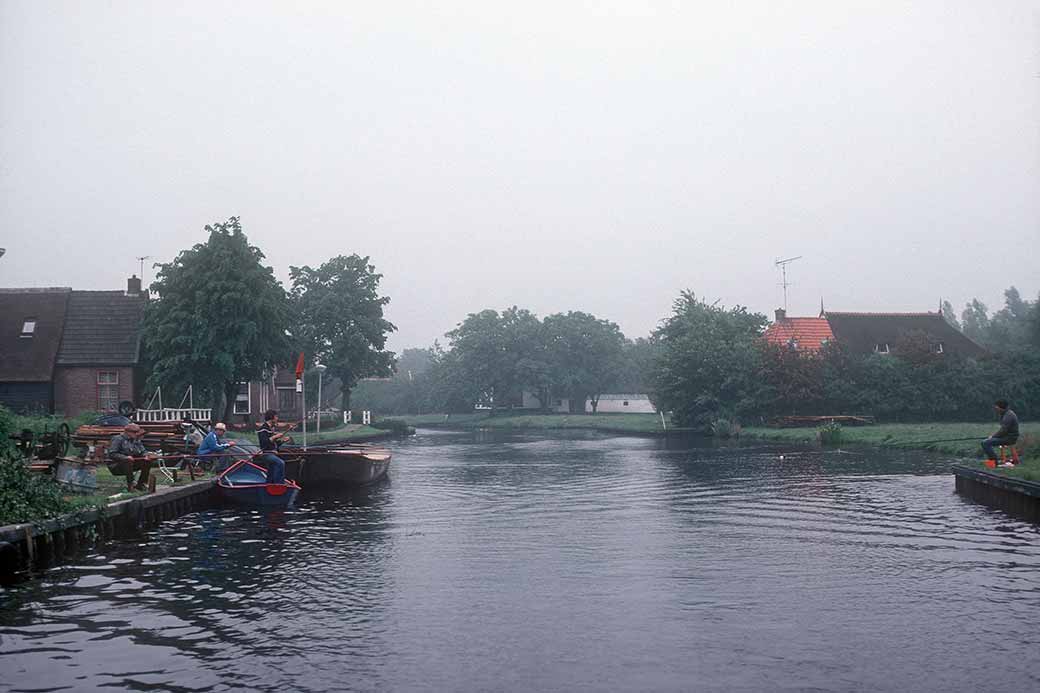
28 327
881 348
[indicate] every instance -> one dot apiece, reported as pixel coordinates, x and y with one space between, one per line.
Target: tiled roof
102 328
808 333
863 331
30 359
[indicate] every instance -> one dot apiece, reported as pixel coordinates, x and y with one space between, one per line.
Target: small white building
622 403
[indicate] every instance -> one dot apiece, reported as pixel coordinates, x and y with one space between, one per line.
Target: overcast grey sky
558 156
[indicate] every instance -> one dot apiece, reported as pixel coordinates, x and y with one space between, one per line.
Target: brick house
70 351
278 392
99 362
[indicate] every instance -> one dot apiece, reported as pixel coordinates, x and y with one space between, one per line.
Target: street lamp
321 371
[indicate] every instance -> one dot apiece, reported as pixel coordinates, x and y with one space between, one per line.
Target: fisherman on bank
126 454
269 441
1006 435
213 444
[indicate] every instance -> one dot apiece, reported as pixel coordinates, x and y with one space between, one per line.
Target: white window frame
248 400
939 348
105 383
879 350
28 327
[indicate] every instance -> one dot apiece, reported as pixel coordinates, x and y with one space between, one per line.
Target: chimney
133 286
781 315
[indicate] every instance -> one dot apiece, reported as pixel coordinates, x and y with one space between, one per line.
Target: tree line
712 365
220 318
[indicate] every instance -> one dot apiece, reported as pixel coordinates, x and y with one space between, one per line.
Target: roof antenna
782 264
141 259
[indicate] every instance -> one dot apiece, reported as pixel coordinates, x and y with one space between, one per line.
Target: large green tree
220 317
583 353
707 363
339 317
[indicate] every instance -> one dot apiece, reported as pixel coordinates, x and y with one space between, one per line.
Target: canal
503 562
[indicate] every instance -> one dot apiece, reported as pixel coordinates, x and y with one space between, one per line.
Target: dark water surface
495 562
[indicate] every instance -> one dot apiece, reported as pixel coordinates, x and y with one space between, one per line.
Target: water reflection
508 562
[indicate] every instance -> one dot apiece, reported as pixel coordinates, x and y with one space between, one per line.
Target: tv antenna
141 259
782 264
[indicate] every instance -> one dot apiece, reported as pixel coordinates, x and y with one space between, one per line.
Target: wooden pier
1017 497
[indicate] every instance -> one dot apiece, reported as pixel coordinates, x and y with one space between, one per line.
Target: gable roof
31 359
863 331
808 333
102 328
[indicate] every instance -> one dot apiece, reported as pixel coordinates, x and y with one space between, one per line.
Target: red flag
299 367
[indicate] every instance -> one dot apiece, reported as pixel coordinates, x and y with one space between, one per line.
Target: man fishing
269 441
126 454
214 444
1006 435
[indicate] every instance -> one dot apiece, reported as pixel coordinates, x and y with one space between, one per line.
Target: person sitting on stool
1008 433
212 445
269 441
126 454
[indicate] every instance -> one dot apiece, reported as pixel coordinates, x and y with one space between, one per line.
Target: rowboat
343 466
245 483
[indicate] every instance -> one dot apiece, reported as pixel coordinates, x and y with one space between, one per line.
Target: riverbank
635 424
921 437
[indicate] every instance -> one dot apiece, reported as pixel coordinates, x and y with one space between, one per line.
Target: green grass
614 423
335 434
917 437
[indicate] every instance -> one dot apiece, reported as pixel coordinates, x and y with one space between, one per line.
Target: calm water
578 563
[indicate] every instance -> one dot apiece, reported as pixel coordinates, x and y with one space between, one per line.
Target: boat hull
344 467
245 483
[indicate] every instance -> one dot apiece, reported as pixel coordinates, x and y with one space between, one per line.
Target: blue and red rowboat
245 483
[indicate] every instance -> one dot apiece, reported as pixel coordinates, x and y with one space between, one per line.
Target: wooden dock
1016 497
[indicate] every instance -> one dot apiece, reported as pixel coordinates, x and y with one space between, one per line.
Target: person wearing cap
212 445
126 454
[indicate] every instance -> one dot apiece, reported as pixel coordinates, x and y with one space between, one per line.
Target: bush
830 434
25 496
725 428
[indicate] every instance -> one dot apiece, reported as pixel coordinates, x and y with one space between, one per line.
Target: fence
156 415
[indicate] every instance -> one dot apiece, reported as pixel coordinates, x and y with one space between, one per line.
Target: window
28 327
242 398
286 399
939 348
881 348
108 390
624 403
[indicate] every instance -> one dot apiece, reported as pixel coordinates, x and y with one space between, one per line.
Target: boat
348 465
245 483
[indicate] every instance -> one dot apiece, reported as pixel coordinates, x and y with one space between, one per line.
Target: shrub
725 428
25 496
830 433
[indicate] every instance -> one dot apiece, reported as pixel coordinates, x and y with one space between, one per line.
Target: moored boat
245 483
345 466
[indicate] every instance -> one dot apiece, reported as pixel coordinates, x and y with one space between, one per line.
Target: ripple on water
513 563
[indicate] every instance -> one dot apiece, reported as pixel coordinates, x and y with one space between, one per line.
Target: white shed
622 403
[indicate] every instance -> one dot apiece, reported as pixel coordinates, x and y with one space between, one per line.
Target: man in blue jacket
213 444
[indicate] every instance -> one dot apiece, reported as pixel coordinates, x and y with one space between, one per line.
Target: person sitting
1006 435
126 454
212 445
269 441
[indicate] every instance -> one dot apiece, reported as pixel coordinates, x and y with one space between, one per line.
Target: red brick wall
76 388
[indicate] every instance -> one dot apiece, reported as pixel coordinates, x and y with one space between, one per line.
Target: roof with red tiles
807 334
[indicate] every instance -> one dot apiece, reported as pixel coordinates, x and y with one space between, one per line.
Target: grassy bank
642 424
340 433
920 437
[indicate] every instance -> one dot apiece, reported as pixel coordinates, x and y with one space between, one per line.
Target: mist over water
509 562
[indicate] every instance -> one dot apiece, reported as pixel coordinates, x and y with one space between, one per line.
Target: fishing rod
942 440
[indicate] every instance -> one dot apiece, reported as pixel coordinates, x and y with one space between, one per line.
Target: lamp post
321 371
